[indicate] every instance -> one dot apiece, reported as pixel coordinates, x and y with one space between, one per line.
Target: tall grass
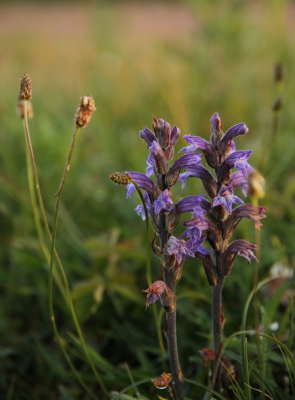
179 62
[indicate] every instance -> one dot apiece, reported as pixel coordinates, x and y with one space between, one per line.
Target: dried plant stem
217 328
170 324
53 251
57 207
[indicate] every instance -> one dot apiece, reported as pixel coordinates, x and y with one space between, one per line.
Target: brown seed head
84 111
278 72
121 178
25 90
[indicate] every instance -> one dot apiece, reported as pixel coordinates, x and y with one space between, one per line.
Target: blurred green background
181 61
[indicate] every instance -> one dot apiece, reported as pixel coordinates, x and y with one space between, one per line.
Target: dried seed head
20 109
25 90
84 111
256 184
163 382
121 178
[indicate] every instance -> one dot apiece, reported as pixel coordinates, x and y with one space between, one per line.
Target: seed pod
84 111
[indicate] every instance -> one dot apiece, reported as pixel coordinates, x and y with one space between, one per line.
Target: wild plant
213 220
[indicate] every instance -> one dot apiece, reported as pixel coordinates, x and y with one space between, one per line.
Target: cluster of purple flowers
213 219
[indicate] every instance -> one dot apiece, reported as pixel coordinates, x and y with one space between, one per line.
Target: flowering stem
217 328
170 323
52 270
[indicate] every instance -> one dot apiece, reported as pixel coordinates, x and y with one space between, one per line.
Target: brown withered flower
84 111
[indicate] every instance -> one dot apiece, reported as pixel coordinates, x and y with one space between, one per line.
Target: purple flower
144 183
190 204
179 249
230 134
150 170
195 227
239 178
216 125
140 208
147 135
243 249
256 213
195 143
198 171
163 202
226 198
196 247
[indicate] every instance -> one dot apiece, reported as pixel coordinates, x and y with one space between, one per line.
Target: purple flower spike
163 202
226 198
179 249
147 135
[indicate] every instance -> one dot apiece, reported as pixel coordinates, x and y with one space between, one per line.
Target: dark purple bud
233 132
238 247
216 129
175 133
161 161
162 132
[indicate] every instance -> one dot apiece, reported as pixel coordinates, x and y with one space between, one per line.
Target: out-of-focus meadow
177 61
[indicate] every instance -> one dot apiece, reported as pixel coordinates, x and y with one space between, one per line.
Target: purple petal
163 202
147 135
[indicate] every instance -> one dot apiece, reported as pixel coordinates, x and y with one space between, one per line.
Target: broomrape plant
213 219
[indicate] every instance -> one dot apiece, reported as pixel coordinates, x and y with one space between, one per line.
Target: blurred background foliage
181 61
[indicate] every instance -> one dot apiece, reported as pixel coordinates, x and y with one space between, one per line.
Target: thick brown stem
217 325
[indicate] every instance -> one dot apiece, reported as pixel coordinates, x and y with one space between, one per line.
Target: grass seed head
84 111
25 91
121 178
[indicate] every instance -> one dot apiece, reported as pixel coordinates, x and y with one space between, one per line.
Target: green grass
181 62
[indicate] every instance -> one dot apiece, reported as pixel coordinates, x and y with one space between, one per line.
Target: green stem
30 147
57 207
